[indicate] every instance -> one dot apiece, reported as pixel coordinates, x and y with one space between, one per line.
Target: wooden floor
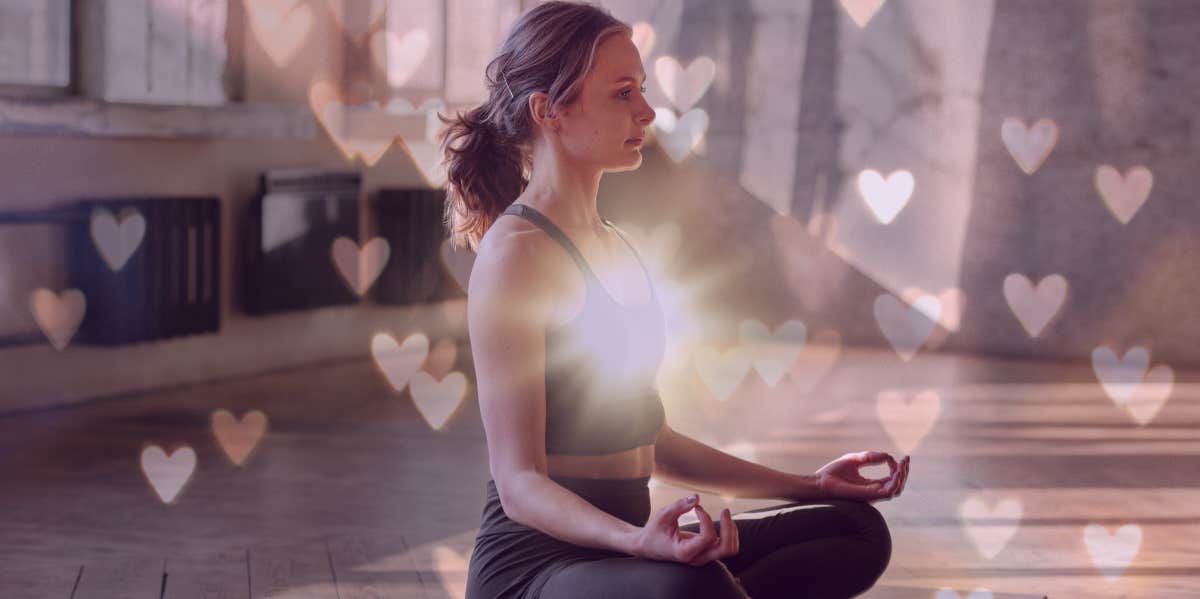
350 493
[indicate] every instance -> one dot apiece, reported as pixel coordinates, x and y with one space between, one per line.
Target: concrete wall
925 86
46 171
764 219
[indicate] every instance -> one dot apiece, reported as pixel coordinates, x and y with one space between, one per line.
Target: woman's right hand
661 538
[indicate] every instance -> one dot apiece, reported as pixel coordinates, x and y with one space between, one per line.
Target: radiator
170 284
412 222
287 237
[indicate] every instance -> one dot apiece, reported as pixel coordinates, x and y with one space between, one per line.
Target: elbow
509 490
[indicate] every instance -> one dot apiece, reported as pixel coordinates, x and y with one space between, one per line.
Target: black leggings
814 550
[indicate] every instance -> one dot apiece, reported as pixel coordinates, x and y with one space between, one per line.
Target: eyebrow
631 79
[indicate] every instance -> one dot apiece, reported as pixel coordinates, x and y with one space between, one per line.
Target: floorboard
1021 479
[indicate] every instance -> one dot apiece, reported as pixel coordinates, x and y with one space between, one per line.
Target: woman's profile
566 333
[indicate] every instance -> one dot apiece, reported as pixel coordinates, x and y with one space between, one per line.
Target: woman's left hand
840 479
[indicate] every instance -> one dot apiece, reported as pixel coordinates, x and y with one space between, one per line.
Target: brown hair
550 49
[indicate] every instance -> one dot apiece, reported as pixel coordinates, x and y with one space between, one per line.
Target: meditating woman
567 332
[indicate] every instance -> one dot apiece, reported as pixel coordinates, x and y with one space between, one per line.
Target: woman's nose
647 115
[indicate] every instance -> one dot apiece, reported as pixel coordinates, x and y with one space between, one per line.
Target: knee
710 581
875 535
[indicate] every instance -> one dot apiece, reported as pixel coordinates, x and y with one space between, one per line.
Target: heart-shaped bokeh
399 361
643 38
168 475
1029 146
772 354
990 537
280 27
906 327
360 267
679 136
58 316
1033 306
1124 195
238 438
684 87
1112 553
907 418
722 371
437 400
117 240
886 197
861 11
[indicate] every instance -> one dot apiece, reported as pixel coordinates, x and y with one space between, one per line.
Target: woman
565 357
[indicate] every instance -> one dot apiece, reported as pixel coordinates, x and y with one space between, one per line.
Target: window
130 68
35 45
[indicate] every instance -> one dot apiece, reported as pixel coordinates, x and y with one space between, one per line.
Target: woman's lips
635 141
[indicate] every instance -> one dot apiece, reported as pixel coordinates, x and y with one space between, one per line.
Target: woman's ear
542 112
539 107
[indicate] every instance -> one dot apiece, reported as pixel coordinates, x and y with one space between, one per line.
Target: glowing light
1035 307
945 309
773 354
280 26
990 539
1124 196
722 371
684 87
1029 146
399 362
403 55
886 198
861 11
168 475
616 350
906 328
360 267
907 419
117 242
58 316
437 400
1112 553
367 129
1130 382
643 38
679 136
238 439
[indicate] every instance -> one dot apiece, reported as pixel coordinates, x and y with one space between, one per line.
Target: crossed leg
822 549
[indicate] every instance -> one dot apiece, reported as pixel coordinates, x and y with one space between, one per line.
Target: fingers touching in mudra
840 478
662 539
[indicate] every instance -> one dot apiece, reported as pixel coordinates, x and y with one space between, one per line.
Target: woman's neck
566 195
577 216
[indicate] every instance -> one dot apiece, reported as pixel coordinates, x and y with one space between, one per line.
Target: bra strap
547 225
636 256
535 216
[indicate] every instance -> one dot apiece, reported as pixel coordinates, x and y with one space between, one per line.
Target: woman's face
610 110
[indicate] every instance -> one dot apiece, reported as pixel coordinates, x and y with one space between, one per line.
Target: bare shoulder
515 265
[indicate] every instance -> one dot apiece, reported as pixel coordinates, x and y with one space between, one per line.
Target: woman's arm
686 462
538 502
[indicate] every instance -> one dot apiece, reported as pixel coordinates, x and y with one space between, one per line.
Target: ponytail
550 49
485 174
